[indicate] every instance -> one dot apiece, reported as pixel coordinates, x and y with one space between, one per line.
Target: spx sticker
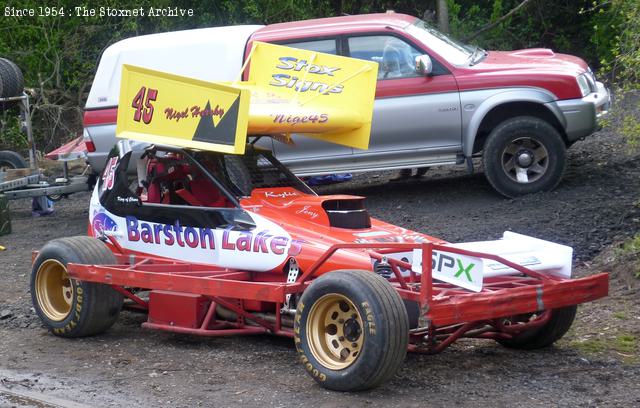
460 270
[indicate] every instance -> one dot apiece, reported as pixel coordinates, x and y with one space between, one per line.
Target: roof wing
289 91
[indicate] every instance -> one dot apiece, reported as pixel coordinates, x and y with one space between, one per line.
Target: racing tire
351 330
544 336
11 82
11 160
68 307
524 155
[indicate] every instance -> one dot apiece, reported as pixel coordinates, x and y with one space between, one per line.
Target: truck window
326 46
395 57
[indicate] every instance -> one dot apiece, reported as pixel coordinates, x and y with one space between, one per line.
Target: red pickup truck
438 101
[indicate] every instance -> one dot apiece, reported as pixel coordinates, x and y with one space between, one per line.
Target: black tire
521 137
90 308
544 336
11 79
11 160
369 317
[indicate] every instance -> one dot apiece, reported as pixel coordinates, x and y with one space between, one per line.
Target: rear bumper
471 307
583 116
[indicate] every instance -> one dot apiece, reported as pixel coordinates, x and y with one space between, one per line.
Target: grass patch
626 343
621 315
594 345
622 344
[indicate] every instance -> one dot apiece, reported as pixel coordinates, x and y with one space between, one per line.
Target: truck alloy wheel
524 155
525 160
351 330
67 307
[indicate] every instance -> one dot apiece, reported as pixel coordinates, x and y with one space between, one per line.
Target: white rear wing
469 272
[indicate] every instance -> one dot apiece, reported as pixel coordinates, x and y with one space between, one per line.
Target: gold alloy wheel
54 290
335 331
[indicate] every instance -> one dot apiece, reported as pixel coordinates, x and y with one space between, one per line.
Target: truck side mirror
424 66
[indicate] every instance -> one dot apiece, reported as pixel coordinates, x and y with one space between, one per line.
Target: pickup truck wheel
351 330
11 160
524 155
67 307
557 326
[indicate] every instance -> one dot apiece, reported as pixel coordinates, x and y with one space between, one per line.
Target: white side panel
261 249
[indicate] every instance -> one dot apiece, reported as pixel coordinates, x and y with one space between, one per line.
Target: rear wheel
351 330
557 326
524 155
67 307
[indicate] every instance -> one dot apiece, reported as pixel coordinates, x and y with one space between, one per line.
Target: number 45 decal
142 103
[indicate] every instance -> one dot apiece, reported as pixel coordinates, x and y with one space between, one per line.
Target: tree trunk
443 16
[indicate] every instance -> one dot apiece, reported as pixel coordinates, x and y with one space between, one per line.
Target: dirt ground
596 364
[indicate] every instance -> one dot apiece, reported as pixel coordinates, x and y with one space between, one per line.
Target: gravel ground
596 364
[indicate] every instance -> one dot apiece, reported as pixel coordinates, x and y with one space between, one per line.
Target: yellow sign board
324 96
158 107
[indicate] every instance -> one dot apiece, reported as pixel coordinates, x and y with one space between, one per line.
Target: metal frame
447 312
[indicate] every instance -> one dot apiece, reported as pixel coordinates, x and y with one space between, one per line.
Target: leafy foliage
616 37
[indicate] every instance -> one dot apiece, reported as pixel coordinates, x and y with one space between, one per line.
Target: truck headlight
583 84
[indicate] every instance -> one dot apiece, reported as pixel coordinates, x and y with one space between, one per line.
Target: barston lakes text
82 11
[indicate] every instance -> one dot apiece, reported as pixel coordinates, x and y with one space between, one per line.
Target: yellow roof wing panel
163 108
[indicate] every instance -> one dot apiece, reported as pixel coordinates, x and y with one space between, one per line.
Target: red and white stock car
216 244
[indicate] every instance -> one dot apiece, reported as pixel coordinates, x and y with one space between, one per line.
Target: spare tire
11 81
11 160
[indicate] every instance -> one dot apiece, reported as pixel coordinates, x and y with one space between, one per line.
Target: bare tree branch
498 21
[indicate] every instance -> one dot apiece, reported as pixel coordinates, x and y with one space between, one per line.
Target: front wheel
67 307
351 330
524 155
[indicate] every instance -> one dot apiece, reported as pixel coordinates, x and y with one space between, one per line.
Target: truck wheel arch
505 105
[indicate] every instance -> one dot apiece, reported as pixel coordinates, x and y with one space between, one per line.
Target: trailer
16 183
